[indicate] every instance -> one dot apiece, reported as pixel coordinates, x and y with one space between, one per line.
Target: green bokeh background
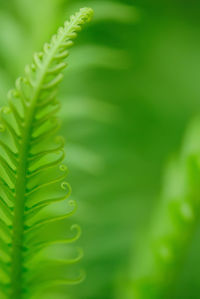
129 93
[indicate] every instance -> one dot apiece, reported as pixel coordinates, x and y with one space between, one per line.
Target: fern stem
18 223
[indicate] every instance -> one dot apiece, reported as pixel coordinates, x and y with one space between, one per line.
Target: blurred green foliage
129 93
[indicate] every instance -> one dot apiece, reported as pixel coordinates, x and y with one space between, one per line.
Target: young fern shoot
32 175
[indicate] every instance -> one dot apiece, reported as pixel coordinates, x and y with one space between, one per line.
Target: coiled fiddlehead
32 173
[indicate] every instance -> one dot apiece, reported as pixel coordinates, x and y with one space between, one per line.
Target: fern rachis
31 157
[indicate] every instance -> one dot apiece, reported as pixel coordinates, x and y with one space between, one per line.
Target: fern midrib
21 182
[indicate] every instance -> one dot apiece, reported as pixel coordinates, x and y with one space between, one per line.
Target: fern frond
32 174
162 253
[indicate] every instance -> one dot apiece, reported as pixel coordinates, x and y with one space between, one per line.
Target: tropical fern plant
32 174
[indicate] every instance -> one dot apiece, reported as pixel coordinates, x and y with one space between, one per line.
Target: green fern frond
31 169
162 253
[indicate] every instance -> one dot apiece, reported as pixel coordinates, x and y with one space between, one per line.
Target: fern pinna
32 173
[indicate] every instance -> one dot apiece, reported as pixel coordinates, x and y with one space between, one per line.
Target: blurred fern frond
158 264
